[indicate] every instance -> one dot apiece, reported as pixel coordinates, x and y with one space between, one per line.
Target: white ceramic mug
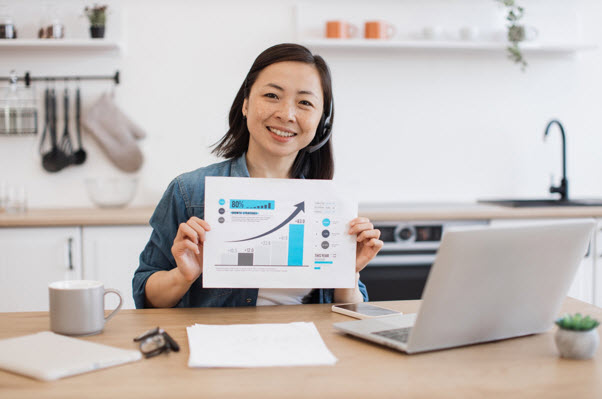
77 306
432 32
469 33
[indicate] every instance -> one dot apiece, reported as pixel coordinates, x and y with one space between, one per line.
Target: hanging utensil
46 118
79 157
55 159
65 144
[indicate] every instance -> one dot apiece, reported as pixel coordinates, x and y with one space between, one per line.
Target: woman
280 125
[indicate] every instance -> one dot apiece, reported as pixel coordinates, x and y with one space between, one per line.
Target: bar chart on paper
281 246
285 249
275 237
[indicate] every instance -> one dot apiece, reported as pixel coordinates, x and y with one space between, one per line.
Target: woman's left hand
368 243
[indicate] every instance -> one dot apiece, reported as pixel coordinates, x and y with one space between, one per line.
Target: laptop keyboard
397 334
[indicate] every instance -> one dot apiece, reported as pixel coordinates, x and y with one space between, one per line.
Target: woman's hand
368 243
187 248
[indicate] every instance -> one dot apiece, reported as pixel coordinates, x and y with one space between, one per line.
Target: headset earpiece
323 132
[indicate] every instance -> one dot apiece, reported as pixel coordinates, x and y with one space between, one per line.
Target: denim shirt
184 198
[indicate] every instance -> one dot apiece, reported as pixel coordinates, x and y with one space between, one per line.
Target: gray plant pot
577 344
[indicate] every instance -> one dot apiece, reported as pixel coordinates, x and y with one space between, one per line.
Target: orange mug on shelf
378 30
340 30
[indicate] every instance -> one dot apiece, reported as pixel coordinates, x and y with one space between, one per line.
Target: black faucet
563 189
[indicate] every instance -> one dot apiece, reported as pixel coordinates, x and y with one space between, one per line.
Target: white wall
409 126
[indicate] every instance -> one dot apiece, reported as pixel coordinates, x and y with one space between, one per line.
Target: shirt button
249 300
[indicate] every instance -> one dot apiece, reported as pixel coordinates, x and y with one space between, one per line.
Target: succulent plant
96 14
577 322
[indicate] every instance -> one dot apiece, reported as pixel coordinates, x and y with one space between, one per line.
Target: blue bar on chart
295 244
252 204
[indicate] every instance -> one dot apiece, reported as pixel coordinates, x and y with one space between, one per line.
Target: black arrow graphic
300 207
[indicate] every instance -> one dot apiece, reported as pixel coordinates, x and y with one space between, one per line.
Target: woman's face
283 109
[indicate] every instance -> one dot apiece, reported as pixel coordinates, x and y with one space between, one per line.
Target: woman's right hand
187 248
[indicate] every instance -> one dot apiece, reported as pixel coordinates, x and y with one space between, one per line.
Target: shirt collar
239 167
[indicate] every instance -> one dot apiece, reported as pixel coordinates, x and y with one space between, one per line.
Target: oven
401 268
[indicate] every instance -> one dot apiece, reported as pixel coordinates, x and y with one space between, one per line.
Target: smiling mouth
281 133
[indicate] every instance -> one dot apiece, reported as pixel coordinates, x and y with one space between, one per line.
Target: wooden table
520 367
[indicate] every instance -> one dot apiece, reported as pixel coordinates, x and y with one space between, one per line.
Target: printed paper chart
277 233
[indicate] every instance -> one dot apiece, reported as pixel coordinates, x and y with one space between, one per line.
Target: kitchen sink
532 203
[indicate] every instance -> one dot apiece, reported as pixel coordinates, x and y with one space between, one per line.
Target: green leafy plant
97 14
577 322
516 31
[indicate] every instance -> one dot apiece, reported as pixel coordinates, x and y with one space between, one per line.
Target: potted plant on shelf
516 31
98 18
577 337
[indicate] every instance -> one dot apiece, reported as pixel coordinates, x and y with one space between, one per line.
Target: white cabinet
597 267
584 284
30 259
33 257
111 256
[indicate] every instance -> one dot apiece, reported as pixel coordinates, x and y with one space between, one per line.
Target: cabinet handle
70 257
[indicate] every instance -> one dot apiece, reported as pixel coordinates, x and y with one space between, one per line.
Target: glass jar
51 25
18 112
7 28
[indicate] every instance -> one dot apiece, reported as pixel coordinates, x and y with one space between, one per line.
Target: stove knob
405 234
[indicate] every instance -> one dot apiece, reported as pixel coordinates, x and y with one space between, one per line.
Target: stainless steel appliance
401 268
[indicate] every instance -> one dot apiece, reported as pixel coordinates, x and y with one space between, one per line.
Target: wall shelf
62 44
457 45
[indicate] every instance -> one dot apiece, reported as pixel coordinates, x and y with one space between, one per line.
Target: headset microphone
316 147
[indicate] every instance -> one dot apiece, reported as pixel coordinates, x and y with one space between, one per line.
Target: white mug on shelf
432 32
469 33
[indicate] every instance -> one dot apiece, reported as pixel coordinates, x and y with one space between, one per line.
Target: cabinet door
111 255
582 287
598 265
30 259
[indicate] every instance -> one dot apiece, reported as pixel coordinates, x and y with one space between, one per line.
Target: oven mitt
115 133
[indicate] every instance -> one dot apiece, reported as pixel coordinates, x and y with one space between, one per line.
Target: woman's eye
305 102
271 95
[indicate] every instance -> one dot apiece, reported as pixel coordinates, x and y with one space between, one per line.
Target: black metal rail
28 78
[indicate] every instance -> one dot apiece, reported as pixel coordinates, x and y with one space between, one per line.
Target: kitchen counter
376 212
77 217
469 211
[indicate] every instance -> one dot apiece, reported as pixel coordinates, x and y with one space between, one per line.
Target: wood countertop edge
140 216
77 217
479 213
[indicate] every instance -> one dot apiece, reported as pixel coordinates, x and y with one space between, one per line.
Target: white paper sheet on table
278 233
257 345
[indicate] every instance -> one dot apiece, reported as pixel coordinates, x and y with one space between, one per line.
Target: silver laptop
487 284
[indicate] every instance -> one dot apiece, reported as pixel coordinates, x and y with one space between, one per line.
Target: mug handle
352 30
113 291
391 31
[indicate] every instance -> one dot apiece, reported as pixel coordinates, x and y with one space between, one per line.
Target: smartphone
363 310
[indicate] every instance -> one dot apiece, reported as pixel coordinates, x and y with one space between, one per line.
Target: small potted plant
516 31
577 337
98 18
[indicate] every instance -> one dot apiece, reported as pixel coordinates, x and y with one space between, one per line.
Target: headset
323 132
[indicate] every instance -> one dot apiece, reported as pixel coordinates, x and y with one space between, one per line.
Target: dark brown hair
315 165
